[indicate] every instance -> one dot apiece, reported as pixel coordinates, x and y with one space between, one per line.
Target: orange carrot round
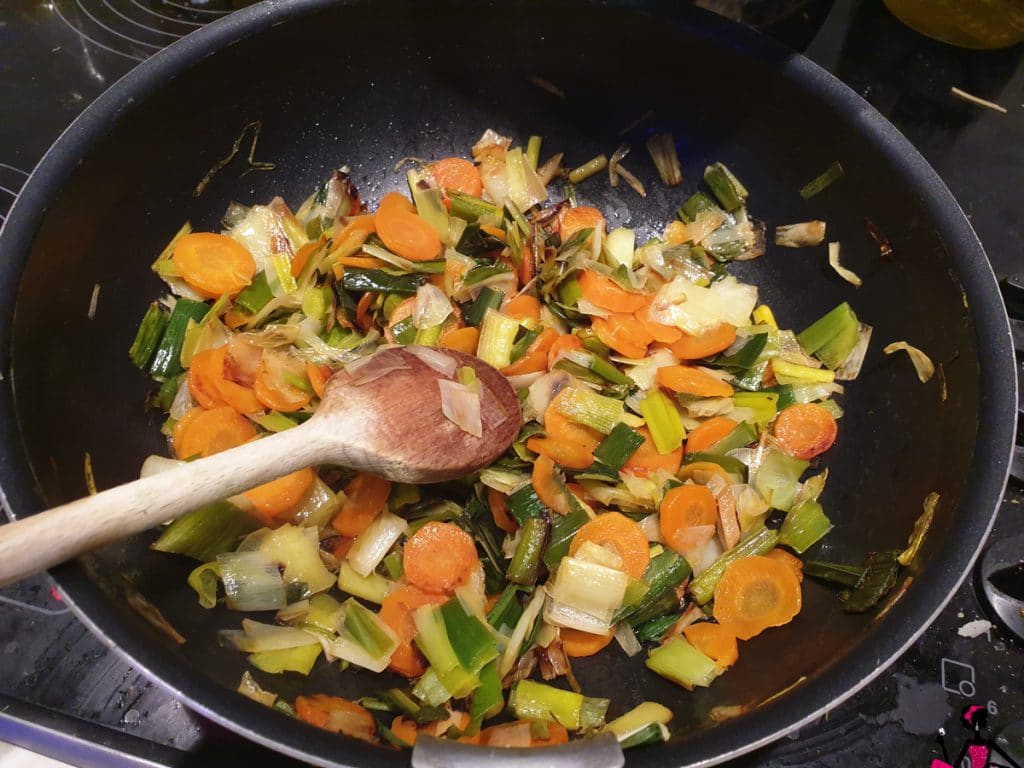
709 433
396 201
458 174
646 460
439 557
756 593
211 388
623 333
498 503
683 509
561 346
318 710
664 334
396 611
213 431
212 264
578 644
365 497
522 307
462 339
787 557
274 499
572 220
566 442
606 293
536 358
406 233
714 640
405 729
690 380
318 376
805 430
552 493
625 537
711 342
272 387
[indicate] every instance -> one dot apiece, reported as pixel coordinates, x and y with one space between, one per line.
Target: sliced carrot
365 497
676 233
212 264
272 386
563 344
396 611
573 456
536 358
439 557
338 715
619 533
701 471
789 559
557 734
360 262
301 257
709 433
355 226
805 430
522 307
646 460
462 339
623 333
458 174
714 640
663 334
691 380
209 385
756 593
274 499
604 292
566 442
527 266
405 729
498 503
404 232
684 508
236 318
549 490
318 376
364 321
496 232
213 431
711 342
578 644
181 426
396 201
572 220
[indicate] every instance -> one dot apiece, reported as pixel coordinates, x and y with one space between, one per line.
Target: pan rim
997 387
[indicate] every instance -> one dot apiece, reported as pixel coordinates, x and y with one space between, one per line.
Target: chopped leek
166 359
728 190
834 573
594 590
586 407
497 336
805 524
151 329
573 711
764 405
879 578
256 295
300 659
563 528
652 630
204 580
297 550
507 610
757 541
251 581
588 169
620 247
662 148
621 443
381 281
471 208
525 566
375 542
373 587
818 184
743 359
664 573
487 700
742 435
488 298
832 337
683 664
791 373
524 504
638 718
206 532
777 479
663 421
533 151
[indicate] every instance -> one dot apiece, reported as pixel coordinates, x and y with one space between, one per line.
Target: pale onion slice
431 308
922 363
370 368
847 274
509 735
696 309
461 406
627 640
436 359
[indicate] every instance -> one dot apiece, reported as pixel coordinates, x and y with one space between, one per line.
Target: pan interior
367 84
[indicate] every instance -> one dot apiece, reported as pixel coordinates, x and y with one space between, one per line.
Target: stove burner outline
56 8
166 18
139 24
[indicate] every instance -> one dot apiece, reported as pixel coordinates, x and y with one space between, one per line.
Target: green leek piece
204 580
533 151
485 272
524 504
570 292
373 588
523 344
792 373
299 659
432 639
591 167
343 338
683 664
404 331
834 573
664 573
763 404
756 541
488 298
880 573
648 713
487 700
429 689
563 528
365 628
525 566
584 406
256 295
727 189
663 420
574 711
654 733
744 358
428 337
382 281
666 604
778 478
832 337
621 443
429 204
206 532
497 336
805 524
662 149
831 174
742 435
697 204
507 610
393 565
168 390
166 361
283 271
728 463
471 640
653 630
471 208
325 614
151 329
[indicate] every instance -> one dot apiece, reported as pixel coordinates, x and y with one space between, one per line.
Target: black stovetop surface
65 694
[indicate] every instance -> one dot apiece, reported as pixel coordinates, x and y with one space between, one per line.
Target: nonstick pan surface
368 83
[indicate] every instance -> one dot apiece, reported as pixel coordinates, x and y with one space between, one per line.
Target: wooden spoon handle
51 537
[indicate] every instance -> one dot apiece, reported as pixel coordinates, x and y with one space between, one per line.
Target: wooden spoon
382 417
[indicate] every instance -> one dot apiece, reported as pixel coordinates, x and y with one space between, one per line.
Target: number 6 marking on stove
960 680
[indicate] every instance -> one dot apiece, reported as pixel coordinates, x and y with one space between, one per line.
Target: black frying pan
368 83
